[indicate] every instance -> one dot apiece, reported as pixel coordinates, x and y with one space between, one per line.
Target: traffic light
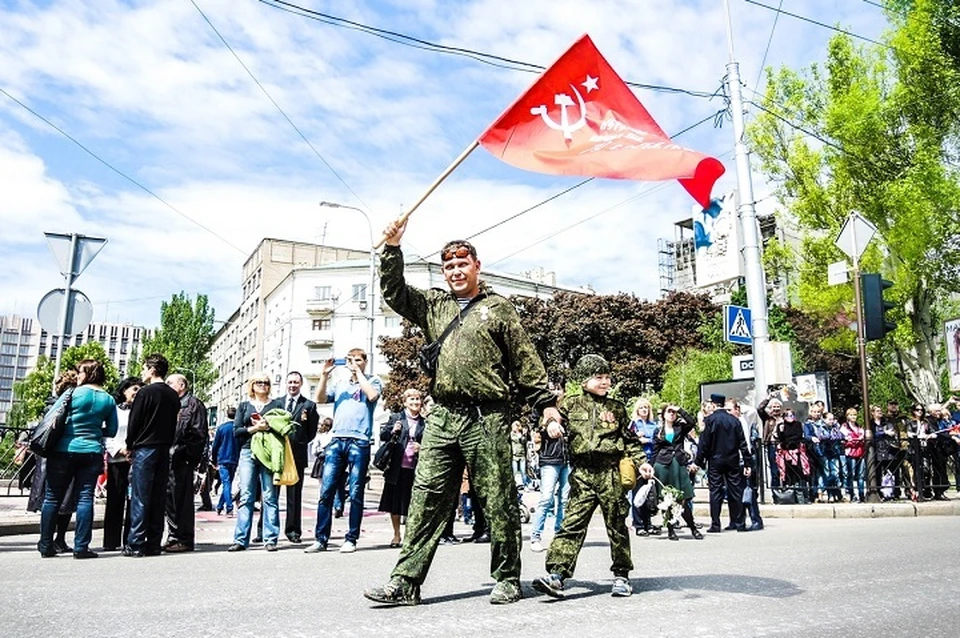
875 307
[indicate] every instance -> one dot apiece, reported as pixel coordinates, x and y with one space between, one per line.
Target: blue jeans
227 471
772 464
252 472
520 469
554 489
853 471
149 476
83 470
343 453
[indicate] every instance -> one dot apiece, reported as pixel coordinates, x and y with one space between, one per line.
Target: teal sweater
93 415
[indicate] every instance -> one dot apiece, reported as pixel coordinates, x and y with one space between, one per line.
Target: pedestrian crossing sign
736 325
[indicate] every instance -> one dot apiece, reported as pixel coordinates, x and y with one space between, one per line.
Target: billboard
716 238
951 333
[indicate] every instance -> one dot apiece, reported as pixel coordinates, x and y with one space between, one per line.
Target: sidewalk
14 519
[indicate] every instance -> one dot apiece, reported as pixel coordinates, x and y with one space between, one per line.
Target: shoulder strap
453 322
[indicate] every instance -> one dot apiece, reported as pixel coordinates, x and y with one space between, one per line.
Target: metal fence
888 470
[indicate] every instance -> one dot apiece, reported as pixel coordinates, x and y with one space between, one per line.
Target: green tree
686 369
185 337
887 122
401 355
31 393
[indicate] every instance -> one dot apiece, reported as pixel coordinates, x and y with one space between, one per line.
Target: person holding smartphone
354 399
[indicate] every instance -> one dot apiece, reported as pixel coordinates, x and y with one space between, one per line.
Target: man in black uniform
720 443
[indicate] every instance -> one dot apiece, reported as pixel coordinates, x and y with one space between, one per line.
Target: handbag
289 475
784 496
429 354
642 496
628 473
47 433
317 470
384 454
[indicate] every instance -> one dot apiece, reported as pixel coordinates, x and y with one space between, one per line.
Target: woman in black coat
407 425
672 464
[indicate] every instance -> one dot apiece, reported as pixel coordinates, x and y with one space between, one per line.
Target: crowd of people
460 452
826 459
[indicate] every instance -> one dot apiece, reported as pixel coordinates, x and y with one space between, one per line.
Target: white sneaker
536 545
348 547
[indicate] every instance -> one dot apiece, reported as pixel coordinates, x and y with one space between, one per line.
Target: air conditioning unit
363 304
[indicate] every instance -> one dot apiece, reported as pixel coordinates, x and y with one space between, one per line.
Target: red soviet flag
579 118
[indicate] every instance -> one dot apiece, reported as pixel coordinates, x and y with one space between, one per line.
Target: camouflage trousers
590 488
453 438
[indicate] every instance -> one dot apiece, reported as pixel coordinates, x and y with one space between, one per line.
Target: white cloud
150 88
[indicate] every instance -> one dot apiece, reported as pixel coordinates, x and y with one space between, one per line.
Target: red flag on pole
580 118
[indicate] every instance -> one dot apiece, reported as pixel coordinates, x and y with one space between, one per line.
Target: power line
274 102
763 61
121 173
819 24
426 45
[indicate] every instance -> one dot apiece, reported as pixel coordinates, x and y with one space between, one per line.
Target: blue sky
151 89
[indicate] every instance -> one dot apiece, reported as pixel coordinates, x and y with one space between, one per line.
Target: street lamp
373 275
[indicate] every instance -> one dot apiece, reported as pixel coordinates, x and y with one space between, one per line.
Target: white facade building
237 350
321 312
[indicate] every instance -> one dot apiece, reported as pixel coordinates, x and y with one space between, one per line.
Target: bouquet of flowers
671 504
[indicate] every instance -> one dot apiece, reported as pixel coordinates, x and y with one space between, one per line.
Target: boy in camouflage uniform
599 435
483 359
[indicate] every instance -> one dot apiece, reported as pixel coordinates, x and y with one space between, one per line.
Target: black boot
672 532
692 524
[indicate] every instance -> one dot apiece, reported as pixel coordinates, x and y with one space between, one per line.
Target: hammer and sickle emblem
564 101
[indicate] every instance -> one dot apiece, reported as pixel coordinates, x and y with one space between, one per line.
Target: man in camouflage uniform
599 436
485 355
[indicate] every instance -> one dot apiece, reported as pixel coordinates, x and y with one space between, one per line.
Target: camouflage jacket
482 359
598 431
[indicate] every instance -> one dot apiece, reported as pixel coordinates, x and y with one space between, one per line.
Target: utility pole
753 267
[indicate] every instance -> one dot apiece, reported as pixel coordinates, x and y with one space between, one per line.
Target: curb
851 510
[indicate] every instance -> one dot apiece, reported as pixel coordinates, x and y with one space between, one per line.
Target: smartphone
255 416
339 362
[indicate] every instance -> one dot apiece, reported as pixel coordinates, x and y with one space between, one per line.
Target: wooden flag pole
444 175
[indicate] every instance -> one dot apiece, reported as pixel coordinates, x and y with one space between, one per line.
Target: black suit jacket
721 441
305 419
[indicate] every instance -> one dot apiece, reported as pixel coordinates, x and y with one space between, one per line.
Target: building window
323 293
321 324
359 292
391 321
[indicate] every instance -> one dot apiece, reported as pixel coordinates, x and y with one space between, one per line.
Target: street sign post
736 325
852 240
73 253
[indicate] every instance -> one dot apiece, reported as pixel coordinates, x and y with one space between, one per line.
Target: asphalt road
854 577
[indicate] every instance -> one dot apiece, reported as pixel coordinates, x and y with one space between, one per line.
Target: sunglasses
671 411
460 252
261 383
